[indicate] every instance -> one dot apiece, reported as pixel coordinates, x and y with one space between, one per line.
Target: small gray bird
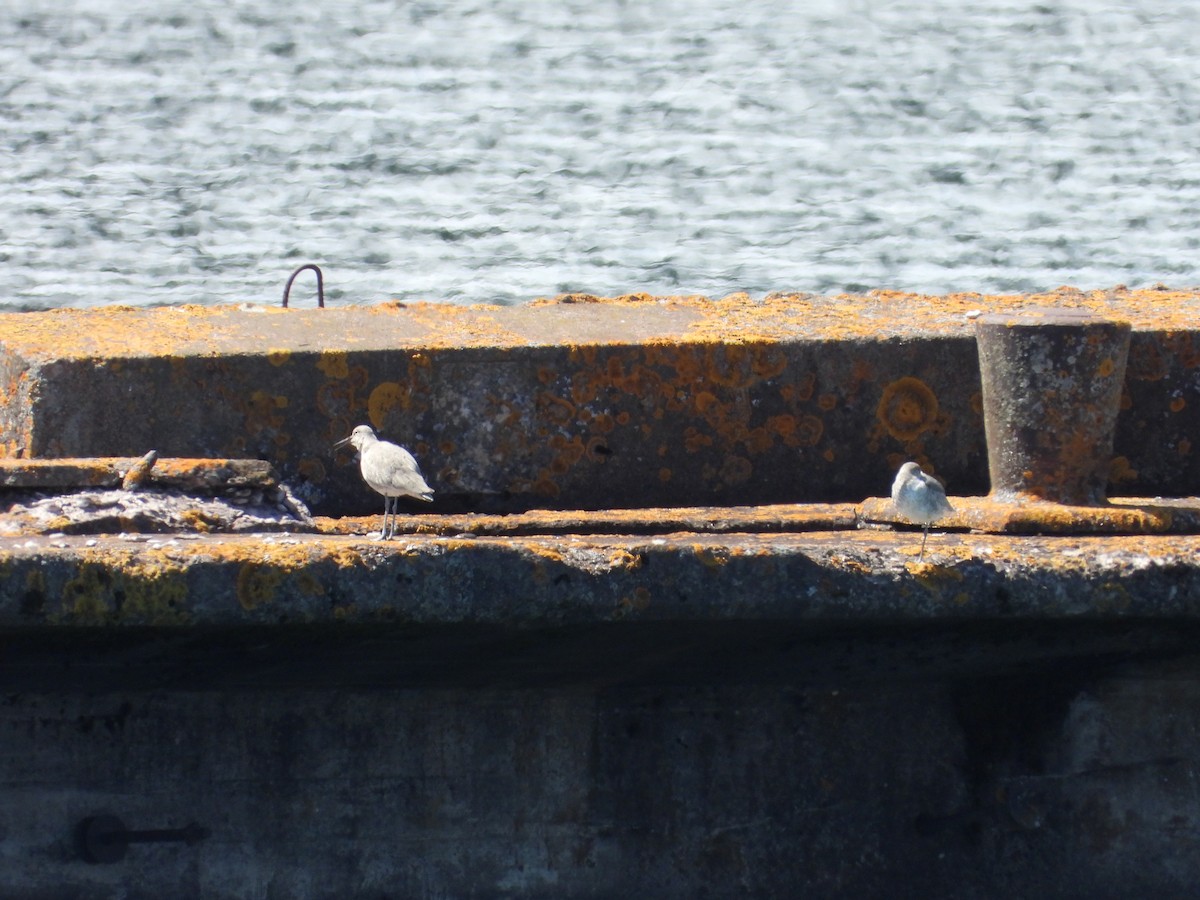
920 498
389 469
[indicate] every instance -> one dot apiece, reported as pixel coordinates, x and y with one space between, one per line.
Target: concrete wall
653 791
627 713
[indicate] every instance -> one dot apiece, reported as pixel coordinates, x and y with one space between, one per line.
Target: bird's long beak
343 442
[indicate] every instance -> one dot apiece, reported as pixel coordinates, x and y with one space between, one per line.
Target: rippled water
500 150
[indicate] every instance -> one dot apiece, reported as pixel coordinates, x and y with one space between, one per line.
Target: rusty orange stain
1178 404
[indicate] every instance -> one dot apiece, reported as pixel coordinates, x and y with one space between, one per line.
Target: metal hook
287 288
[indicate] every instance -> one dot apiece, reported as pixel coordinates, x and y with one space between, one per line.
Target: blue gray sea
472 151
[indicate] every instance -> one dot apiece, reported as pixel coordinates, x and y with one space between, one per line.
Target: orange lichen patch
758 440
736 470
704 401
198 520
557 410
1106 368
1146 362
1177 405
279 357
312 469
1183 345
147 589
624 559
1184 447
334 364
652 520
385 397
804 388
341 403
124 332
782 425
664 474
827 402
694 441
445 325
768 363
545 486
1030 515
260 414
637 602
711 557
257 585
934 578
598 450
1121 472
808 431
907 408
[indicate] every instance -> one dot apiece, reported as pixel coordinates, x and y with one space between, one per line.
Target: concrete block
578 403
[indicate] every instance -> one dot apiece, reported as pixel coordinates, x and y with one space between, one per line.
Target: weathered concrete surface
675 715
643 702
541 581
1028 515
635 401
93 472
674 791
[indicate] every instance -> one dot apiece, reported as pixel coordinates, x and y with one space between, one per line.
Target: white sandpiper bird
920 498
389 469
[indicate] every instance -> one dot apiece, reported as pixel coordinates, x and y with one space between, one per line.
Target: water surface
500 150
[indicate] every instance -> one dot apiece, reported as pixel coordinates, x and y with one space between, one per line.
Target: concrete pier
577 404
677 667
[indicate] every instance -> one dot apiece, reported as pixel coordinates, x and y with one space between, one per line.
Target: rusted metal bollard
1052 383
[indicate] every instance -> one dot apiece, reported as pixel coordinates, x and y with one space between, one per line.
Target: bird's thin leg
389 517
923 540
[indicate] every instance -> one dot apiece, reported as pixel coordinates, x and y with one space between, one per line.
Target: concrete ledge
549 581
581 403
